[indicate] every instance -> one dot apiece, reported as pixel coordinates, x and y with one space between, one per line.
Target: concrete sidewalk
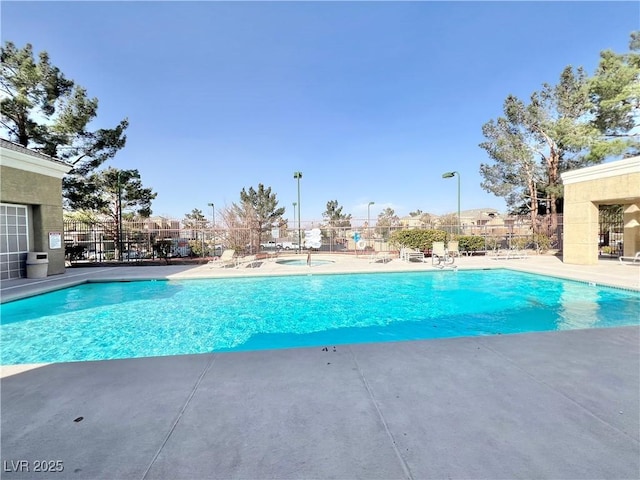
538 405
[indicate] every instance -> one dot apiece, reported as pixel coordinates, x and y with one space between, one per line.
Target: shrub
519 242
419 239
493 243
470 243
542 242
195 248
163 249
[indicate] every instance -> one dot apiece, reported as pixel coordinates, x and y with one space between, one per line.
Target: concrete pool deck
537 405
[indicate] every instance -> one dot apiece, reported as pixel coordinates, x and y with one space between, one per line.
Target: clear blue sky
372 101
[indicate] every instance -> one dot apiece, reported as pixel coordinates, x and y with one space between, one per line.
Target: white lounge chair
248 261
379 257
416 255
227 258
409 254
453 249
438 252
440 256
635 260
510 254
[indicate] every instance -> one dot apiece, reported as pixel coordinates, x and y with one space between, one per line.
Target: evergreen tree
334 218
575 123
386 220
196 221
118 194
43 110
259 208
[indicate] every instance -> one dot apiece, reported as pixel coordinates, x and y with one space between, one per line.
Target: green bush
542 242
520 242
419 239
470 243
195 247
162 248
493 243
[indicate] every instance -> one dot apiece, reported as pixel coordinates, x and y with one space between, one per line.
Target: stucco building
585 190
30 209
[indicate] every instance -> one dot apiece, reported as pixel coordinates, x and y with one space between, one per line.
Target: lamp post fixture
119 218
450 175
294 214
213 226
213 214
369 219
298 176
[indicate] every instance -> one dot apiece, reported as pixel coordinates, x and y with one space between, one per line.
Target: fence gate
610 231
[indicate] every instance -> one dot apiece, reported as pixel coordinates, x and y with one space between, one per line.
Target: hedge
423 240
419 239
470 243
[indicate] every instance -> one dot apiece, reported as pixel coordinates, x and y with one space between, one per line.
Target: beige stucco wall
41 191
584 191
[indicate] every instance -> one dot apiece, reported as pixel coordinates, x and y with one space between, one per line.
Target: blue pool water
152 318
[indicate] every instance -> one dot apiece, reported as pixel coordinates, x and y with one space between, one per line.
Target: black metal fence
101 241
611 230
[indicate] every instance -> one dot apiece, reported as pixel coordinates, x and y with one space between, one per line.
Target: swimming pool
153 318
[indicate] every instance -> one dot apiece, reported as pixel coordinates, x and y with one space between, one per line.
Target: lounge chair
379 257
438 253
510 254
440 257
453 249
410 254
635 260
248 261
226 259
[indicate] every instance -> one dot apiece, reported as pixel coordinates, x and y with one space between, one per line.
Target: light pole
213 214
294 214
449 175
213 226
298 176
369 219
119 218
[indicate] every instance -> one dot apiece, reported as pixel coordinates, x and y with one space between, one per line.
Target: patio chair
438 253
510 254
379 257
413 255
517 253
441 257
453 249
227 258
635 260
248 261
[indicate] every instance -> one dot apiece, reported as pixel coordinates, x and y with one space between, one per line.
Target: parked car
217 250
290 245
132 255
271 244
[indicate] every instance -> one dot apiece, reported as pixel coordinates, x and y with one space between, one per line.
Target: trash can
37 264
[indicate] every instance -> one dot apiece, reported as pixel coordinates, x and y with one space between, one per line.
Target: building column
631 235
580 242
